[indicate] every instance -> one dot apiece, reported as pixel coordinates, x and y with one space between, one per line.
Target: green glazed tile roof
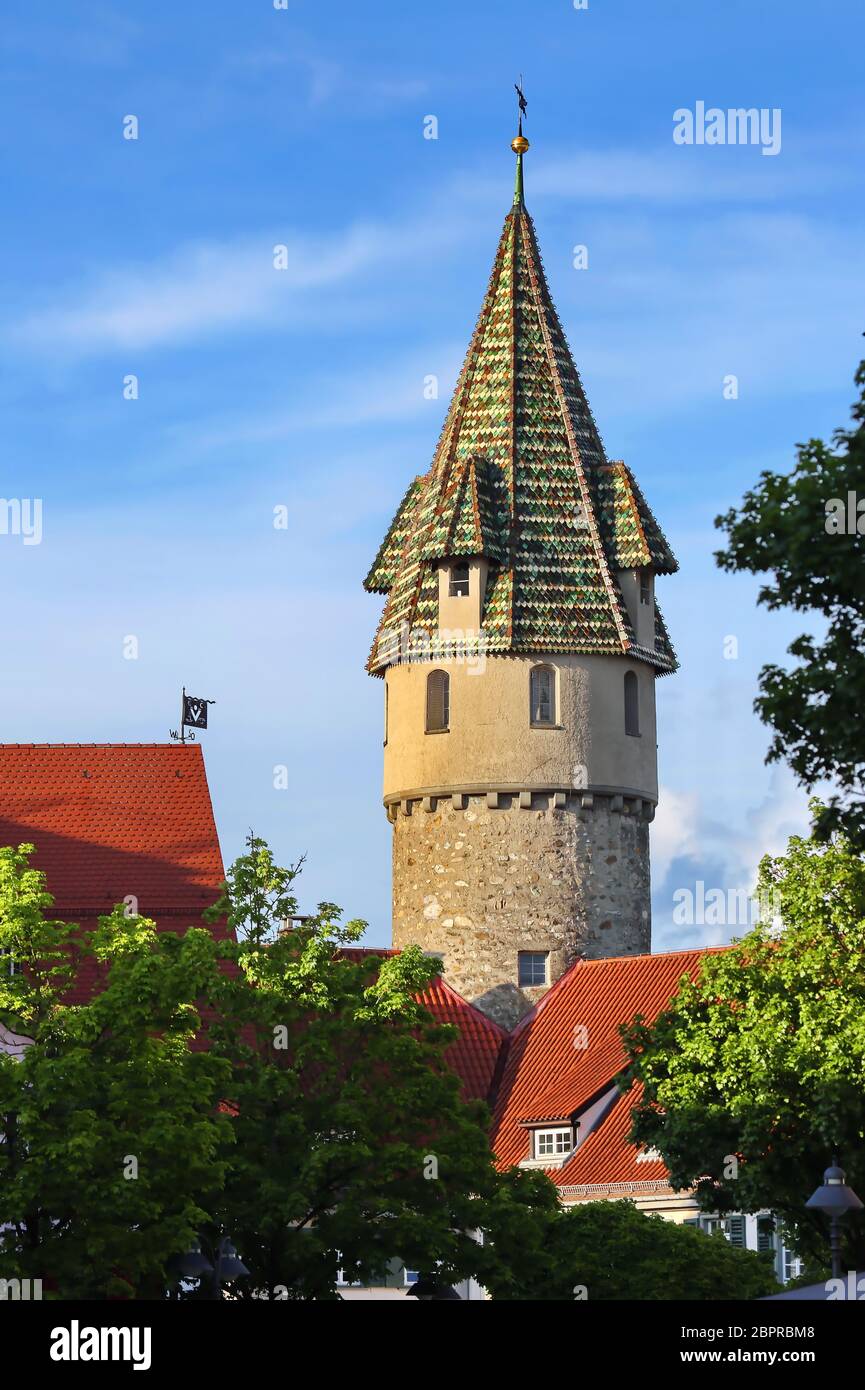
520 477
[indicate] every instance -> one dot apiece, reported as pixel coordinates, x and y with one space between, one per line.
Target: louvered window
438 702
765 1233
734 1230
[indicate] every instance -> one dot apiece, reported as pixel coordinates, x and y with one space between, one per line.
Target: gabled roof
566 1053
542 1073
633 537
109 820
520 476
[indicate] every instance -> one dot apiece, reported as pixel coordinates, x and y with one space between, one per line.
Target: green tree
755 1073
112 1143
599 1251
284 1089
352 1146
816 563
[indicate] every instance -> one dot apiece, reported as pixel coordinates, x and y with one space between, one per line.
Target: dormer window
553 1143
458 586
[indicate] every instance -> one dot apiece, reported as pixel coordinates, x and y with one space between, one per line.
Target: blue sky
258 388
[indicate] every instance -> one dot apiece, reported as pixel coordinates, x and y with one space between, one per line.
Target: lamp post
428 1291
836 1199
227 1265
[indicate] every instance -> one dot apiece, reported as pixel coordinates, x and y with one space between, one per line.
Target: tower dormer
519 643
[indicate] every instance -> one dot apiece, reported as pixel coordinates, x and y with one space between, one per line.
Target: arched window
543 695
438 702
632 705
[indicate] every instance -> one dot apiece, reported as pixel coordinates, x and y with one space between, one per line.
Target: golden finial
519 144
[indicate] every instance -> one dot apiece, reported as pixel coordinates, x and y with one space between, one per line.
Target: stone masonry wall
477 885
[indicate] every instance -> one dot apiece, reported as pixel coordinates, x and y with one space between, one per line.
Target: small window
632 705
459 582
532 968
645 587
8 964
794 1265
411 1276
438 702
543 695
553 1143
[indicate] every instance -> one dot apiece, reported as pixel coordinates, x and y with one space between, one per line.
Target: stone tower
519 646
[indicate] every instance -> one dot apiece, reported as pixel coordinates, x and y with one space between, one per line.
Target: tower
519 646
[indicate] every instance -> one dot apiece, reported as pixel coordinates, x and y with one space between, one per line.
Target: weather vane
523 104
193 715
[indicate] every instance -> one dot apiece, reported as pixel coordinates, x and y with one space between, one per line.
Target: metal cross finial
523 104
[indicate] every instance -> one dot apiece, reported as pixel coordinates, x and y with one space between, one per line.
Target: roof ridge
192 747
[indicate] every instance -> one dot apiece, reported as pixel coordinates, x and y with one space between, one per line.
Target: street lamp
836 1199
194 1264
427 1290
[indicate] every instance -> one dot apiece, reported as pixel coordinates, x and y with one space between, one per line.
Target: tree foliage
285 1089
112 1146
817 562
755 1073
599 1251
352 1146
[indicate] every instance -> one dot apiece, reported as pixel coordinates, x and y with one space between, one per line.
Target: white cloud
690 846
674 830
203 287
198 288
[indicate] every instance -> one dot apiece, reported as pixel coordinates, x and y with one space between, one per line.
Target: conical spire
520 477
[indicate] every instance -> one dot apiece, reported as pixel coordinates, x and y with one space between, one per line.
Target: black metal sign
193 715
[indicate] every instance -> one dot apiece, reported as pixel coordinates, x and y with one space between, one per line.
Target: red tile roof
108 820
474 1054
113 820
566 1052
